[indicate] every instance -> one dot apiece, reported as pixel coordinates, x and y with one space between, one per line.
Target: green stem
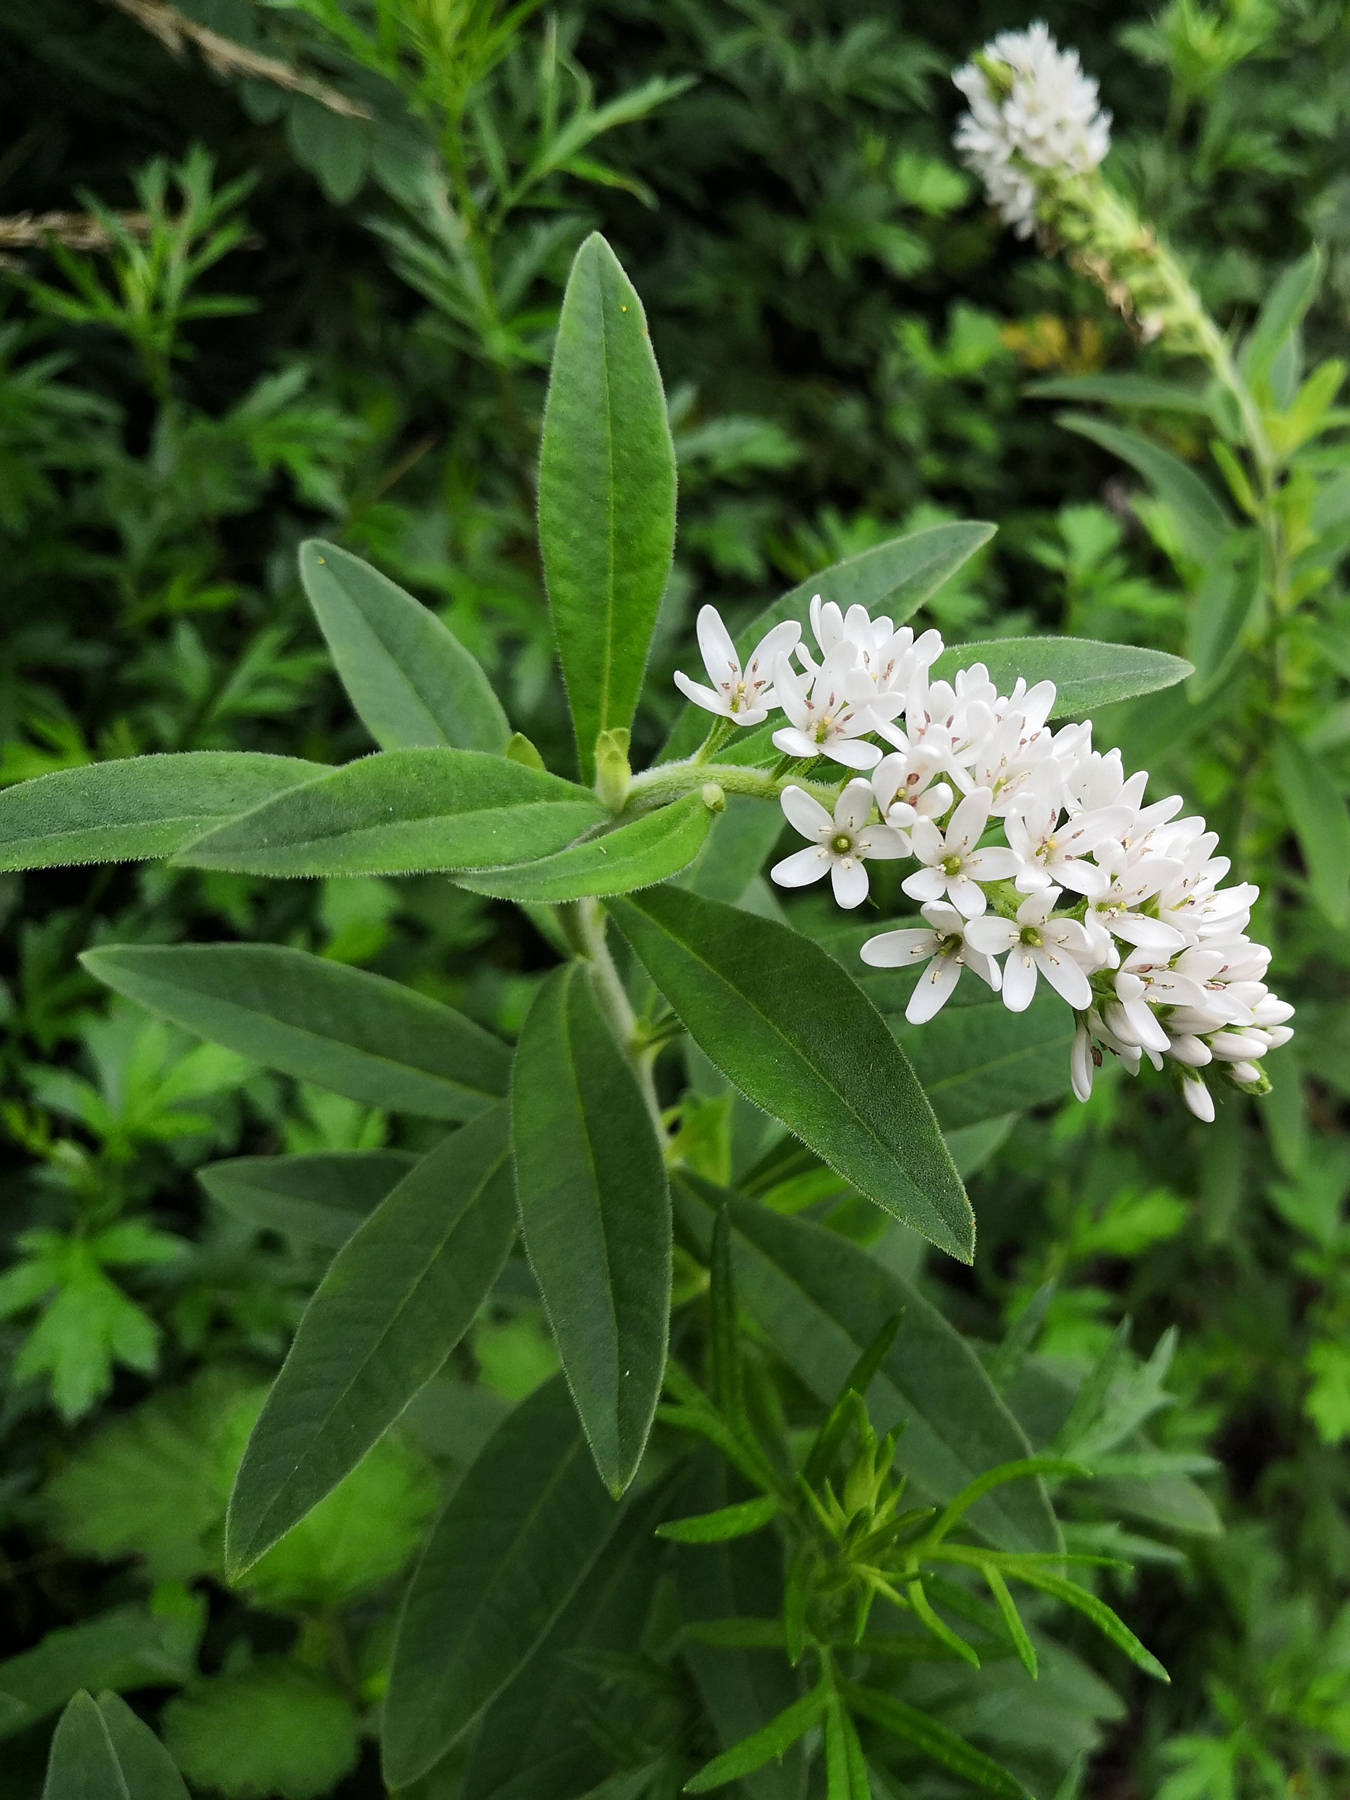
584 924
668 781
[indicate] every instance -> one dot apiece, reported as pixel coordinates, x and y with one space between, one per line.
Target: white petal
848 877
854 805
969 819
793 742
932 989
993 864
925 884
775 643
1081 1065
804 813
991 934
714 640
702 696
1064 976
927 841
1019 980
882 843
802 867
898 949
852 752
967 896
1198 1097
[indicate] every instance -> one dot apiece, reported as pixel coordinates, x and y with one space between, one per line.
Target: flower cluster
1033 115
1036 857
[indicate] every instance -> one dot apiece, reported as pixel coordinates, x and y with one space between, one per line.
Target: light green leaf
102 1751
761 1746
781 1019
735 1521
129 1647
595 1211
845 1766
1217 618
1317 813
1202 521
895 577
1098 1611
1086 674
822 1301
936 1741
606 494
139 807
319 1198
272 1729
1281 314
341 1028
397 1299
515 1540
1122 390
637 855
410 679
403 812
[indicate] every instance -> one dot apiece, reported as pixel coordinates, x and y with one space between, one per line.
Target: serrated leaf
341 1028
319 1198
1086 674
783 1022
402 812
270 1731
1202 521
410 679
606 494
102 1751
397 1299
726 1522
595 1212
762 1746
937 1742
636 855
895 577
1317 813
137 807
515 1540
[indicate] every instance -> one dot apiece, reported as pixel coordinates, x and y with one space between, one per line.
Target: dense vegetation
291 270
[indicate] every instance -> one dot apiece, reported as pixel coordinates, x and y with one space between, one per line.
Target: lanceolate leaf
781 1019
400 812
764 1745
515 1540
1201 520
1086 674
319 1198
341 1028
398 1297
409 677
822 1301
102 1751
606 494
895 577
595 1210
637 855
937 1741
1317 812
138 807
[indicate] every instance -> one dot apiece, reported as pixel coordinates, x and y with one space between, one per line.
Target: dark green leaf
1122 390
606 494
140 807
937 1742
637 855
342 1028
514 1542
1201 519
737 1520
1317 812
410 679
402 812
397 1299
102 1751
781 1019
319 1198
726 1366
1086 674
762 1746
595 1211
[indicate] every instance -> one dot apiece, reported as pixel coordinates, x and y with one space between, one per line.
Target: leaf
763 1745
606 494
845 1767
102 1751
402 812
141 806
341 1028
937 1742
271 1728
1098 1611
129 1647
595 1212
319 1198
737 1520
1201 519
636 855
1122 390
514 1542
410 679
781 1019
1281 314
1217 618
1086 674
1317 813
397 1299
981 1061
1012 1619
823 1301
898 575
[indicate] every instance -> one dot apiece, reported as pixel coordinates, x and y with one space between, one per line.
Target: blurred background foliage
277 267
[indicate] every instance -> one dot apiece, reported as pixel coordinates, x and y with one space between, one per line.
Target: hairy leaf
1086 674
639 854
102 1751
319 1198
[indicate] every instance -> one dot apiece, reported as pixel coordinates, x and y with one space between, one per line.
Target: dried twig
79 231
224 57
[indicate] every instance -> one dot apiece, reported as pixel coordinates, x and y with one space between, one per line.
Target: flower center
841 843
1030 935
951 865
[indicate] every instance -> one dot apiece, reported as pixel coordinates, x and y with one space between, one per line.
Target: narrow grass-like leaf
398 1297
1020 1469
1107 1622
937 1742
726 1368
1086 674
1216 620
1012 1619
845 1766
636 855
606 494
408 676
737 1520
761 1746
857 1381
137 807
341 1028
102 1751
402 812
515 1540
781 1020
1122 390
1317 812
895 577
319 1198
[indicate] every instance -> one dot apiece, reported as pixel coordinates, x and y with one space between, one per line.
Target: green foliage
100 1749
269 1729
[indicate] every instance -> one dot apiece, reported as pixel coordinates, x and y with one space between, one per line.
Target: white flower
943 946
831 709
1198 1097
1036 944
842 845
741 694
1054 849
952 865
